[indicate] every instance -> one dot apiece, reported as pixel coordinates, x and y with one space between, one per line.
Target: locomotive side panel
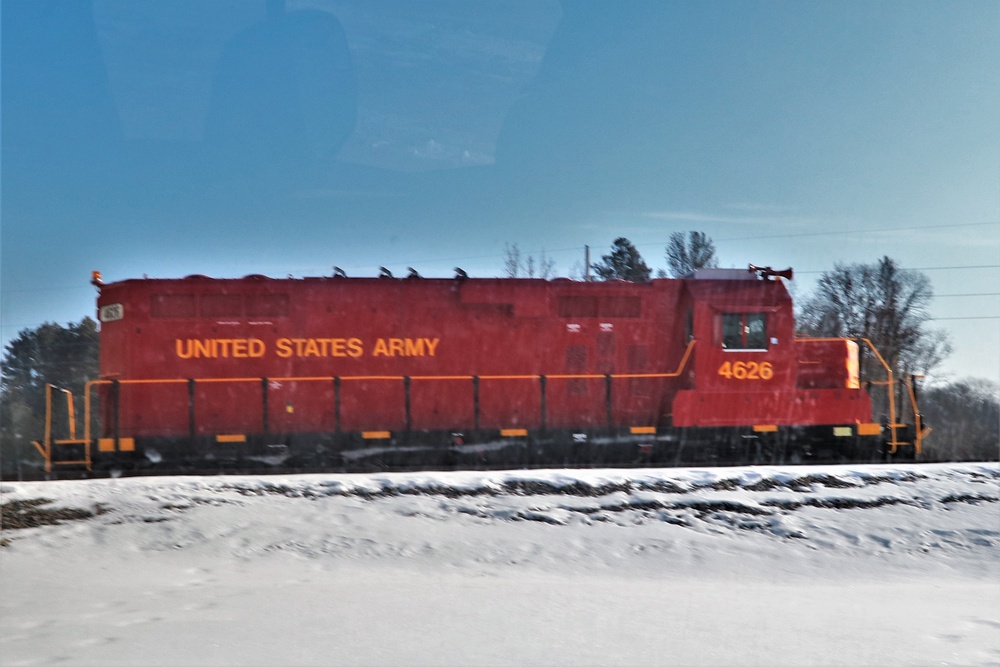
228 334
827 364
634 334
228 407
307 406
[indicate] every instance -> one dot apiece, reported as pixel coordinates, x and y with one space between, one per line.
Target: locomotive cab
749 371
745 331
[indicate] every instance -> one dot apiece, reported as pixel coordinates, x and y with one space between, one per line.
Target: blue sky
168 138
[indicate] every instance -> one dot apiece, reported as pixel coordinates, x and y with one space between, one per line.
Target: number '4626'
746 370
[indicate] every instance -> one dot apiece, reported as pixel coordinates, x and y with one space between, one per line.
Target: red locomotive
357 373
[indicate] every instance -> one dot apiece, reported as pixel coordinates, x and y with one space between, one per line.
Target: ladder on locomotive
69 452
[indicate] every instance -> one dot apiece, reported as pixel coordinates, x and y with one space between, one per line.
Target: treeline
965 416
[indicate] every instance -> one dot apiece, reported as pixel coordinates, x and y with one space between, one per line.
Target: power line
948 268
744 238
740 238
973 294
49 289
861 231
664 243
930 268
829 233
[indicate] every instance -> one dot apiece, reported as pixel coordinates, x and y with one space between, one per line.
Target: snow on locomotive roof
722 274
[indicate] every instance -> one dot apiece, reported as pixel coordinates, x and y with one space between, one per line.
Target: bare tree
517 265
880 302
624 263
685 256
884 304
511 260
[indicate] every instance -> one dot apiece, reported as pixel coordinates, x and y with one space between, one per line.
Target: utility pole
586 263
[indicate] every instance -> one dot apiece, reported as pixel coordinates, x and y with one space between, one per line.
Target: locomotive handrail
146 381
811 339
257 379
86 405
45 446
920 431
890 382
88 387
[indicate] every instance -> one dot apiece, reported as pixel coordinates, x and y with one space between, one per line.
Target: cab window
744 331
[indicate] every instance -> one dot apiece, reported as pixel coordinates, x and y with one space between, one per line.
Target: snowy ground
856 565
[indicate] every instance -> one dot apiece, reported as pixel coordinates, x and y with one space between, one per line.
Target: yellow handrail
45 446
919 432
894 443
88 387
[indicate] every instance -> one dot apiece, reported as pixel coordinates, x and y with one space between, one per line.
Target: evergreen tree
624 263
66 357
683 257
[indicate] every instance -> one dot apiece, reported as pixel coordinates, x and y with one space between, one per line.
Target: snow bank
743 566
